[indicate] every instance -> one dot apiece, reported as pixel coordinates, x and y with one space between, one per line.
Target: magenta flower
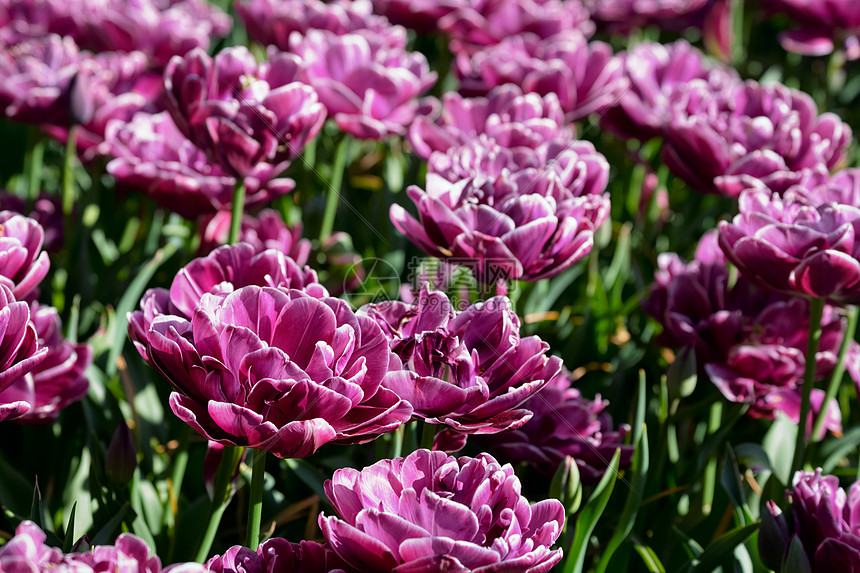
656 72
23 263
825 521
469 371
152 156
159 28
241 113
584 75
825 26
129 553
527 224
481 23
751 342
278 554
275 369
717 137
512 119
20 351
47 211
27 551
421 15
113 86
621 16
564 423
266 230
795 246
271 22
224 270
58 380
371 91
36 79
429 512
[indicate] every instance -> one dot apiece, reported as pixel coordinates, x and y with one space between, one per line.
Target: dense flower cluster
584 75
750 341
431 512
370 89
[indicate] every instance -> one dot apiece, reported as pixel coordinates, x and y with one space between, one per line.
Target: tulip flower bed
412 286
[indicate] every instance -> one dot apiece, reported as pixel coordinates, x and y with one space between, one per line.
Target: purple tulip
36 79
23 263
750 341
266 230
276 555
241 113
827 521
429 512
371 91
421 15
27 551
224 270
152 156
655 73
796 246
469 371
111 86
526 224
272 22
481 23
622 16
564 423
55 382
717 137
584 75
47 211
275 369
161 29
512 119
823 24
129 553
20 351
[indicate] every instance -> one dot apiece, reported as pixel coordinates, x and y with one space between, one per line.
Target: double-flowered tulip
242 113
429 512
470 370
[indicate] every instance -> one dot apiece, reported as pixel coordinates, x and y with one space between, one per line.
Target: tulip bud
796 560
121 456
773 536
566 485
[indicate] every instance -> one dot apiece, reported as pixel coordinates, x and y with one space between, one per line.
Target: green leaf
146 503
627 519
589 516
649 558
778 443
731 482
130 300
105 534
682 374
69 538
833 451
309 475
716 552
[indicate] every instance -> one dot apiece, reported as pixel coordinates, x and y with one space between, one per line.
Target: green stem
34 162
334 188
838 372
237 211
180 463
397 442
709 482
69 172
428 434
255 505
816 306
220 499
